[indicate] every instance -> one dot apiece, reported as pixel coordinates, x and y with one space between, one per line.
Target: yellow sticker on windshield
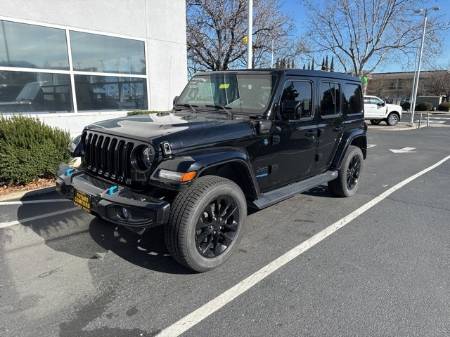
224 85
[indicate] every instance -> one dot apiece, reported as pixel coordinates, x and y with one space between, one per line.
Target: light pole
250 35
419 63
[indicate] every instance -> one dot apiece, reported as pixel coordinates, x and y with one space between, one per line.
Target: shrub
405 105
424 106
141 112
29 150
444 106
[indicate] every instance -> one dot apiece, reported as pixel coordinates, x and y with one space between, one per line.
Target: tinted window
32 46
91 52
330 99
33 92
108 92
351 100
296 101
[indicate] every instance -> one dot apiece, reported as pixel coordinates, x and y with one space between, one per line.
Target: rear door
330 125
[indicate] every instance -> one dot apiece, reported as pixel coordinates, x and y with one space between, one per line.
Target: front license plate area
83 200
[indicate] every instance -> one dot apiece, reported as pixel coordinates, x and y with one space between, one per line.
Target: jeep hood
182 130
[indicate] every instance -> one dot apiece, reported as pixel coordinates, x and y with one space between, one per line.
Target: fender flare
202 160
347 139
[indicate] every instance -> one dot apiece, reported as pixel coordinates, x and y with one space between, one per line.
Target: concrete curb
21 194
394 128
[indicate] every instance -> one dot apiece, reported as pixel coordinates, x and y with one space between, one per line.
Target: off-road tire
180 231
339 186
393 119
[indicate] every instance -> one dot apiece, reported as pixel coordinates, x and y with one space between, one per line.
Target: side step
270 198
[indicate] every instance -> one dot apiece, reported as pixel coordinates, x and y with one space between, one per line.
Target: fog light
124 213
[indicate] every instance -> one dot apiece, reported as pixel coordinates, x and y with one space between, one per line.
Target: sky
295 10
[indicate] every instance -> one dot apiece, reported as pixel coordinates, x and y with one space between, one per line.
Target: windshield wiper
190 106
226 109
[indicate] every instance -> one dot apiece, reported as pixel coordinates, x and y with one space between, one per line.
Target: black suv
234 139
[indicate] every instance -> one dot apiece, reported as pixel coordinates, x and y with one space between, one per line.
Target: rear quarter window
352 100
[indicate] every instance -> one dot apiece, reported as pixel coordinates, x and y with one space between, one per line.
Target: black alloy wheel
206 223
349 173
217 227
353 172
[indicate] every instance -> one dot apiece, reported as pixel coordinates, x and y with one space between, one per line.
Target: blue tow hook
111 190
69 172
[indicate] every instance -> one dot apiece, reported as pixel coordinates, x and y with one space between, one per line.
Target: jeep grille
109 157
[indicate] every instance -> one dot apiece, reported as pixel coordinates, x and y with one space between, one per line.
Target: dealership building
71 63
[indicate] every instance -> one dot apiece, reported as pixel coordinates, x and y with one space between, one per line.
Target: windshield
241 93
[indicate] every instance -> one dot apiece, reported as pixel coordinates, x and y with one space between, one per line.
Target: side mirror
175 99
382 104
264 127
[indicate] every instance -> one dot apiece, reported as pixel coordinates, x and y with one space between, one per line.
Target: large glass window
330 102
32 46
99 53
296 101
352 99
36 74
34 92
108 92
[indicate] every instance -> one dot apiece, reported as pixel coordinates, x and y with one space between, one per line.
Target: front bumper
121 205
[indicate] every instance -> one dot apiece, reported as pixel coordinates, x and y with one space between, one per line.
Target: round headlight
143 157
148 155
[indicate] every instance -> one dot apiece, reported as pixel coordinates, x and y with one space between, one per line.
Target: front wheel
205 223
347 182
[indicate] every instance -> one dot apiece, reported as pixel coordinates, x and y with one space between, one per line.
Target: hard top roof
290 72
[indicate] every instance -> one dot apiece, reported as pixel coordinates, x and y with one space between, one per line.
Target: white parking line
28 202
229 295
37 217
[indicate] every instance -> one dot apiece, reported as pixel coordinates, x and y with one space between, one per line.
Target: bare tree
439 83
362 34
216 30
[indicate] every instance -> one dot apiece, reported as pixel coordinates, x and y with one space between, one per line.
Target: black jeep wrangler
234 139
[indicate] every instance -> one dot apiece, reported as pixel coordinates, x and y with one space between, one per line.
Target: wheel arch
357 138
237 171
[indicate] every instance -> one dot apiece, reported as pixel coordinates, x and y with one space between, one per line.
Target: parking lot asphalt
386 273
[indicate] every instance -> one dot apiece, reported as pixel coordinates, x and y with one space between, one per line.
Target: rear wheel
375 121
347 182
206 223
393 119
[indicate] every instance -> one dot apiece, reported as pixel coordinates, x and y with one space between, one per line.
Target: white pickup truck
376 110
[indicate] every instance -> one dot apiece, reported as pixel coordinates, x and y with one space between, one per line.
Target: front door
330 126
294 139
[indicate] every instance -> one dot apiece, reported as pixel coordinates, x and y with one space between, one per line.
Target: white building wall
162 23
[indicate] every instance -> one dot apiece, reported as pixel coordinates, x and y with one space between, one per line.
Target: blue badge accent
69 172
113 189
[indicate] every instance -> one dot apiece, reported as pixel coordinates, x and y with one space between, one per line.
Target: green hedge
424 106
29 150
444 106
